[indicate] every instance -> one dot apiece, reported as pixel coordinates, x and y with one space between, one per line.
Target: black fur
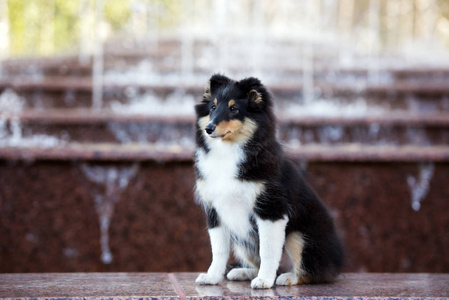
211 217
286 191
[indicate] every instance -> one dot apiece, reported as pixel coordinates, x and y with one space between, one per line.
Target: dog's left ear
253 85
255 96
250 83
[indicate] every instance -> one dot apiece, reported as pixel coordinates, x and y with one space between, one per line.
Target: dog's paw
208 279
261 283
242 274
287 279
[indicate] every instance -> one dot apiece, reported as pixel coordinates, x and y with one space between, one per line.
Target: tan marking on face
236 131
228 129
231 103
216 101
248 129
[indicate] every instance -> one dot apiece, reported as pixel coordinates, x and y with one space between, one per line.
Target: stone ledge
182 286
81 116
113 152
85 84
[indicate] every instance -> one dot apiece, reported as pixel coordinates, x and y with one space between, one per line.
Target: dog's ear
250 83
255 96
253 85
216 81
207 93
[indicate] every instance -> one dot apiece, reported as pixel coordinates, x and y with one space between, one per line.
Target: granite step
118 286
160 152
296 128
166 58
84 83
71 66
71 92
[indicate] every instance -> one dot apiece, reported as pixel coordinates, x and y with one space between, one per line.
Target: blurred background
97 125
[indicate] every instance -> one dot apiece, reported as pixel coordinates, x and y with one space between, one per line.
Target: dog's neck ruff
222 160
220 188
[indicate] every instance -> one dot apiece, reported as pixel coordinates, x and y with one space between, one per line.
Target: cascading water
11 133
420 185
111 181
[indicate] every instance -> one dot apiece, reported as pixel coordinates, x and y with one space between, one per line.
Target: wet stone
182 286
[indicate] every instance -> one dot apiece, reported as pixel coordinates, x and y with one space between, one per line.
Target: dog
256 201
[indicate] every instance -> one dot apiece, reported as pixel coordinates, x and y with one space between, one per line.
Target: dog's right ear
215 82
207 93
218 80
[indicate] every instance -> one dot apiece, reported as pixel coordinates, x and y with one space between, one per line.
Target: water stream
11 129
420 185
110 182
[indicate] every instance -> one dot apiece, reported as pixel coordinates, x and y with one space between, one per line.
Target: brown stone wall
49 217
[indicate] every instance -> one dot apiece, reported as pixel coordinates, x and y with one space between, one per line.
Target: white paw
260 283
242 274
287 279
208 279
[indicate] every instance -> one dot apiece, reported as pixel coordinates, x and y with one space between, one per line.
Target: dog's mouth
214 135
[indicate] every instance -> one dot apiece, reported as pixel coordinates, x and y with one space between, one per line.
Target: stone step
161 286
70 92
184 153
74 67
387 129
170 63
85 84
90 126
38 69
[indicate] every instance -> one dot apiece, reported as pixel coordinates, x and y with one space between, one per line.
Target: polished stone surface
359 285
182 286
86 285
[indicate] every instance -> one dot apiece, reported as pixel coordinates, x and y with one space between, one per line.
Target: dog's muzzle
210 128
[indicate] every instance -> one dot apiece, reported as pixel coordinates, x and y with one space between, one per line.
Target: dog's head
232 110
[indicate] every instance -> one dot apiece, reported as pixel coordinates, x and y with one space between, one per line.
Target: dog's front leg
271 239
220 242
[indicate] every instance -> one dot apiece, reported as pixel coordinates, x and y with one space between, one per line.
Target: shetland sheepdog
256 201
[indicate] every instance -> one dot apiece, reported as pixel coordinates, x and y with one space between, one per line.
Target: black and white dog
255 199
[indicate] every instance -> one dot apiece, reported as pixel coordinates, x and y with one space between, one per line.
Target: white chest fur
232 198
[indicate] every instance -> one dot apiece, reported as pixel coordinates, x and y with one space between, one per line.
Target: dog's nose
210 128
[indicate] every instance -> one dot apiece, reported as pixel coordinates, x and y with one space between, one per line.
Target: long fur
255 199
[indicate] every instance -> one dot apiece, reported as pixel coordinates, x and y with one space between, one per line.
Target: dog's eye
213 107
233 109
